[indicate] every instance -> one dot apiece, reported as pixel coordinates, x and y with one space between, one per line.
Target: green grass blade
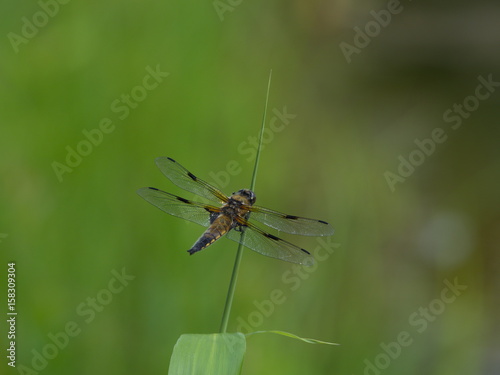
239 253
212 354
257 157
287 334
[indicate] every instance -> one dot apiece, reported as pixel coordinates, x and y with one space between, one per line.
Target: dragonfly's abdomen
220 226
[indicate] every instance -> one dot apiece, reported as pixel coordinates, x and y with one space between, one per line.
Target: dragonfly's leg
240 228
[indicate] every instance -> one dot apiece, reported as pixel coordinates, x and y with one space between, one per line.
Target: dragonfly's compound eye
250 195
253 198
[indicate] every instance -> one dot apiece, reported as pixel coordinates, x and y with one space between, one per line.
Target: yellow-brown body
231 216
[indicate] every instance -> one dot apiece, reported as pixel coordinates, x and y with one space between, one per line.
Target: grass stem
239 254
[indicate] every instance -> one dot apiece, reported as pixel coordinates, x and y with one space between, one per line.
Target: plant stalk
239 253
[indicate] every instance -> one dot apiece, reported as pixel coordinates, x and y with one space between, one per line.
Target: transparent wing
181 177
172 204
290 223
270 245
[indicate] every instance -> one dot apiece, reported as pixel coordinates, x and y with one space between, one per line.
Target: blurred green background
358 114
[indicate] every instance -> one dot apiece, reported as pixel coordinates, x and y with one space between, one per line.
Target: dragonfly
232 216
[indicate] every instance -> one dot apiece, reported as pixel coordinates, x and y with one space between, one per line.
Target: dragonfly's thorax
238 204
243 196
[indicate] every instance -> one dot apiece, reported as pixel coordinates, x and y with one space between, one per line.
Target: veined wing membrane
184 208
290 223
270 245
181 177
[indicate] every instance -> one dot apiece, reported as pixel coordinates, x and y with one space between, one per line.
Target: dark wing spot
305 251
192 176
182 200
271 236
323 222
171 159
152 188
293 217
268 235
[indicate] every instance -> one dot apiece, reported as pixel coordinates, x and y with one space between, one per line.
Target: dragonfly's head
247 195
